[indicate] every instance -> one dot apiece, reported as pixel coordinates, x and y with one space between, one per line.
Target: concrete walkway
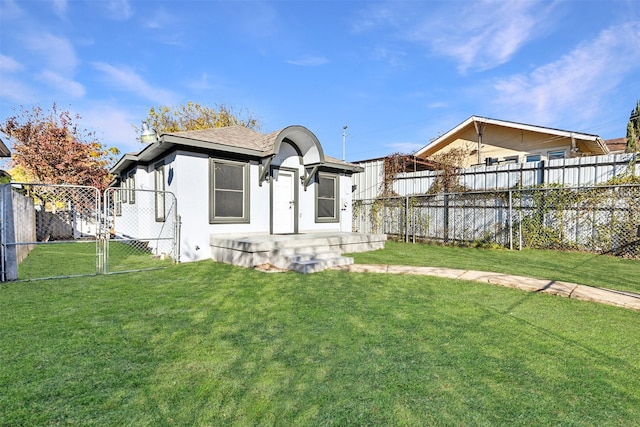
570 290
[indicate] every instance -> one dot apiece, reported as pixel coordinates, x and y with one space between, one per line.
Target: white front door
284 210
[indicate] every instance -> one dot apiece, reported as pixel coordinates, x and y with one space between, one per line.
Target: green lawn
576 267
79 258
210 344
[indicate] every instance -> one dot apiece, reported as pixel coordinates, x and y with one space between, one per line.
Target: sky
396 73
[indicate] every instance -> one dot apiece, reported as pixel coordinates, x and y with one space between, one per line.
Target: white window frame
159 186
132 187
556 154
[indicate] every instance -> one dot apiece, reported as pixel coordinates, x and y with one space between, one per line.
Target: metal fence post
445 238
510 221
406 220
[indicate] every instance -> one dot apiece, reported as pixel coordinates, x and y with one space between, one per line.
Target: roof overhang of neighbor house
584 142
4 151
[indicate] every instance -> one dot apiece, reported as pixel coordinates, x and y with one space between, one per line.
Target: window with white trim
159 193
327 209
124 189
228 192
558 154
132 187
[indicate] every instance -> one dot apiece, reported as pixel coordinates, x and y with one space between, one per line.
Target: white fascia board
538 129
443 137
532 128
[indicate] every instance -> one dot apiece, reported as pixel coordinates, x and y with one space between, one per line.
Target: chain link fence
51 231
603 219
143 229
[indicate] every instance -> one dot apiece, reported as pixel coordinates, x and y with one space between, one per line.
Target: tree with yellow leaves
194 116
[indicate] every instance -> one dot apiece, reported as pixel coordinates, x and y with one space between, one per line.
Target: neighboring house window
228 192
327 198
533 158
132 187
560 154
159 194
511 159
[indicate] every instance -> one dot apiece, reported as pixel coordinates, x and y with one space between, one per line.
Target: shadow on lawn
346 348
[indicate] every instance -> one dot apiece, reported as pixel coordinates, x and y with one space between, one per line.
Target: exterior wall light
149 135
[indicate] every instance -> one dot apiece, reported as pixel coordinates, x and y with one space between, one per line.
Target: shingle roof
617 144
238 139
232 136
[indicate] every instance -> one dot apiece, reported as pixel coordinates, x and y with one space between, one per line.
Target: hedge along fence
604 219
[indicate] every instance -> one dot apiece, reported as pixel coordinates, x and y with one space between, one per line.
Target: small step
327 254
286 259
316 265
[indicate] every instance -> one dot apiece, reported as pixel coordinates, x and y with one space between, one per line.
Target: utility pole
344 143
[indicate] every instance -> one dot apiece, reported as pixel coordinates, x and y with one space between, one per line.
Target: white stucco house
235 185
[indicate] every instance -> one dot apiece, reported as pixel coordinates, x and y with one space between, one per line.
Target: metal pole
344 143
510 222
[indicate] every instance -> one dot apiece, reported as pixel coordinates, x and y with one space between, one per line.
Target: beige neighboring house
491 141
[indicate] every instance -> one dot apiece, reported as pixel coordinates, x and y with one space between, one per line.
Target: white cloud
56 53
128 80
309 61
377 15
200 84
9 64
404 147
118 10
113 125
392 56
61 84
159 19
477 35
16 90
577 83
10 10
489 33
60 7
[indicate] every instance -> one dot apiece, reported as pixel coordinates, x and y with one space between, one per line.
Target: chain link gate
142 229
54 231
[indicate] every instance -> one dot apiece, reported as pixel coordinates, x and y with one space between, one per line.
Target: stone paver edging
564 289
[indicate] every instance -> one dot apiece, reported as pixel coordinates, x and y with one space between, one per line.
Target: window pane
556 155
229 177
533 158
326 208
326 187
124 190
229 192
159 187
132 186
228 204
